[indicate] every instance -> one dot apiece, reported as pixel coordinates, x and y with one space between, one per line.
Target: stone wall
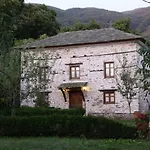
91 58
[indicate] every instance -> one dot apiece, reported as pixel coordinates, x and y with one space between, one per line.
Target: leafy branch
146 1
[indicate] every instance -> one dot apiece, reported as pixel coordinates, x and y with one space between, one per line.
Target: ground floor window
109 97
42 99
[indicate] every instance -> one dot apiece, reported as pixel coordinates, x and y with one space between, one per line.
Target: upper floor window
109 97
75 72
109 69
43 73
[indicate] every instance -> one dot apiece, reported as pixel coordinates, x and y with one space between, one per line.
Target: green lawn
71 144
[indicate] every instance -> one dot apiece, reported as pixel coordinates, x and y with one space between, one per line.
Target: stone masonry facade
91 59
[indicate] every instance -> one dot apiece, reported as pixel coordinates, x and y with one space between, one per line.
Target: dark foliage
123 25
38 111
81 26
64 125
36 20
9 14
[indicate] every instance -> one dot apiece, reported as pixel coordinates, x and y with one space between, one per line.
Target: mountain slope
70 16
140 18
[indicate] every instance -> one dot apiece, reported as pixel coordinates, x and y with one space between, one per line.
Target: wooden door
75 99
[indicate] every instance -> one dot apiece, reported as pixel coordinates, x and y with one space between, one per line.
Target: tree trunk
129 104
149 130
13 108
13 111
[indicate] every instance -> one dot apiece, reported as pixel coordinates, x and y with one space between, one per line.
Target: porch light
85 88
65 90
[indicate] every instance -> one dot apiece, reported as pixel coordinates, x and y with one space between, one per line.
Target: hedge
38 111
69 126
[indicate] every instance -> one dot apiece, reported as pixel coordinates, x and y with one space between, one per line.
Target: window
43 71
42 99
45 96
109 69
75 72
109 97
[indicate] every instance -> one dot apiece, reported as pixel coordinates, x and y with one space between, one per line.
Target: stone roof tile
83 37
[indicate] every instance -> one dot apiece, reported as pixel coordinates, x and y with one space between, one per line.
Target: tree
144 70
36 20
81 26
145 53
33 77
24 21
9 14
123 25
146 1
127 82
36 75
9 57
93 25
10 79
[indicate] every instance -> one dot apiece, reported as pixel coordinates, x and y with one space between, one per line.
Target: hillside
140 17
70 16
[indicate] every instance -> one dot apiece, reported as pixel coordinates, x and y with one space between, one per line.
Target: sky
115 5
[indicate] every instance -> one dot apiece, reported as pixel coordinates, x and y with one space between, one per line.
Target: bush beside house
142 122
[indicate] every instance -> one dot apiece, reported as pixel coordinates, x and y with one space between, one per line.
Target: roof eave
77 44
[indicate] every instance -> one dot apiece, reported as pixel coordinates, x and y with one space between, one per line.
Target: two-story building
80 70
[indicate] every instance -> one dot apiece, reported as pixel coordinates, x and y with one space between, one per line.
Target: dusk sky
116 5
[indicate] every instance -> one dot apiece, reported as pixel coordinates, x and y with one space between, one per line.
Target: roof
83 37
72 85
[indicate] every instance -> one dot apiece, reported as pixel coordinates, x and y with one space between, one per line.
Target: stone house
81 69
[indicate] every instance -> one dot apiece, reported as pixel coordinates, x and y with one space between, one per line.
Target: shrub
5 111
4 102
142 122
44 111
64 125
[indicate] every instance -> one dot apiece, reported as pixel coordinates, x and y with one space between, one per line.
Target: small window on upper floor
43 73
109 69
74 72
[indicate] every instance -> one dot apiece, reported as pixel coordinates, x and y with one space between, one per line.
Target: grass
43 143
